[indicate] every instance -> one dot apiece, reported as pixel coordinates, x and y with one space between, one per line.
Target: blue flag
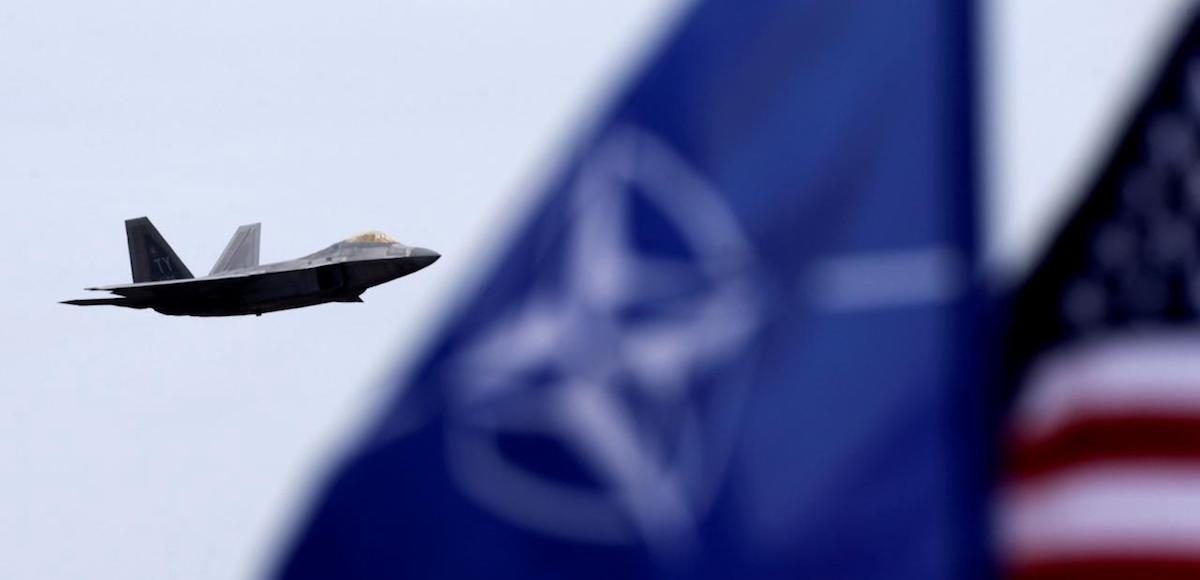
734 339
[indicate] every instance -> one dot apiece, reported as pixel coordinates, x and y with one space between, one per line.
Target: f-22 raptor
238 285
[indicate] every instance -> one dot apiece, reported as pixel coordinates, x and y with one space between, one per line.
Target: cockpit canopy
372 237
368 242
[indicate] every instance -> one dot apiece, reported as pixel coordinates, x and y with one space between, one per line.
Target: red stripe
1112 568
1099 439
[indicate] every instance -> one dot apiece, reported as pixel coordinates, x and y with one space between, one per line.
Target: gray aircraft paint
241 252
238 285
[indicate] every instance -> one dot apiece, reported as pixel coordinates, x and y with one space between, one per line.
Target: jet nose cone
423 256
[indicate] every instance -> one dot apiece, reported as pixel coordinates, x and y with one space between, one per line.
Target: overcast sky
141 446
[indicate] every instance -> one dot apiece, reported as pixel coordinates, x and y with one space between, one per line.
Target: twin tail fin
241 251
150 256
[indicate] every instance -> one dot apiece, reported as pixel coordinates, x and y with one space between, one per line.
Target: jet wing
179 289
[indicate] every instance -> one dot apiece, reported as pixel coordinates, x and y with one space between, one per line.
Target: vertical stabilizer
150 257
241 251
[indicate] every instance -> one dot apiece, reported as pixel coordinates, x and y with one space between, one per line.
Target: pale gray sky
1061 77
141 446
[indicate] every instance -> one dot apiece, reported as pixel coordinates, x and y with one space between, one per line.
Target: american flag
1102 475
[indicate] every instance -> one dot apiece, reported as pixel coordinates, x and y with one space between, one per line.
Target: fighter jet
237 283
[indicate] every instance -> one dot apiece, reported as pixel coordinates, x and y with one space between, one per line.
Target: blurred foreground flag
1104 443
732 340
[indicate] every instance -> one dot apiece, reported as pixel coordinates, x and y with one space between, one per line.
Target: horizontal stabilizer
241 251
103 302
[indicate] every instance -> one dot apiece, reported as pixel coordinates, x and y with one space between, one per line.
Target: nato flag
734 338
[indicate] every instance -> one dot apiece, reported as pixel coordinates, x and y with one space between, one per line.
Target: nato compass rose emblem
629 353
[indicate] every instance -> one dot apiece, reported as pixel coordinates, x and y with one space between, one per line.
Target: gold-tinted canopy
372 237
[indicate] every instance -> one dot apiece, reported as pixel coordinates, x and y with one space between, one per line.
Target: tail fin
150 257
242 250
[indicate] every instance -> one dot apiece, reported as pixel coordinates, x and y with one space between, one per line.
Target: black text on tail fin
150 257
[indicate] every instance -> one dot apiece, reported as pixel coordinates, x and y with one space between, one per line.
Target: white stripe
1131 510
865 281
1156 372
